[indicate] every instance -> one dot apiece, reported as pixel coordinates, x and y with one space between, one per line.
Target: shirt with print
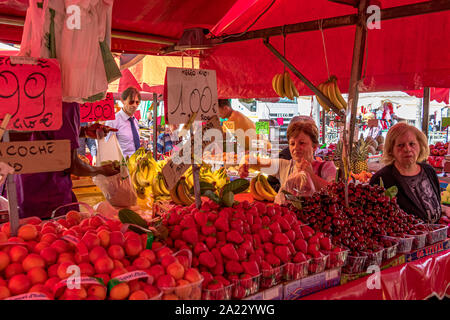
125 133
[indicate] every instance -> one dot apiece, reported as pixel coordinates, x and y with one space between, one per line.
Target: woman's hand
108 170
98 131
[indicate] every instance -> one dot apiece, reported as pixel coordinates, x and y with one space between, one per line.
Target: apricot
97 291
53 270
149 255
31 261
79 258
95 222
48 229
86 269
116 238
116 252
4 292
141 263
131 235
63 272
33 220
184 260
37 275
40 246
51 282
117 272
66 257
75 294
4 260
49 254
27 232
133 247
163 252
138 295
18 253
120 291
60 246
105 238
97 252
183 289
176 270
75 215
166 281
170 297
156 271
134 285
151 290
3 237
118 264
13 269
104 265
49 238
90 240
40 288
168 259
19 284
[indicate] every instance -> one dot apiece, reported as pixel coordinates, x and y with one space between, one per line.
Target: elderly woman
303 141
405 149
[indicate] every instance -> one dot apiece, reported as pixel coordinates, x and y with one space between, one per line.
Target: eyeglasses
134 102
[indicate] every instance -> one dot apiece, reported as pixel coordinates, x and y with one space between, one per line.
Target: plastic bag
299 184
117 189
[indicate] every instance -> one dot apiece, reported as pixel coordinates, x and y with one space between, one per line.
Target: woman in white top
303 138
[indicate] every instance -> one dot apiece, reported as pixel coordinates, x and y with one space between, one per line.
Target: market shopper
303 141
405 150
38 194
127 125
90 143
168 140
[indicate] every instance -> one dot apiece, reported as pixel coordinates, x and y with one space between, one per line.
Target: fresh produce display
261 189
445 195
437 154
363 176
331 90
283 85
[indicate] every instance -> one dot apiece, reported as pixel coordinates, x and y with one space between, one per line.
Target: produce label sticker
98 111
190 91
36 156
262 127
30 90
30 296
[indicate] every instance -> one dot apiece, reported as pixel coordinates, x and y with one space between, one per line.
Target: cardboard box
314 283
274 293
427 251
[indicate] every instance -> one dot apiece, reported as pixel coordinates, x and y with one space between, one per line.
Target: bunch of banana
143 177
221 177
159 188
284 87
331 90
261 189
189 177
132 161
180 193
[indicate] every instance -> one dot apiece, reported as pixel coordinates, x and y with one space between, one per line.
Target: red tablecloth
415 280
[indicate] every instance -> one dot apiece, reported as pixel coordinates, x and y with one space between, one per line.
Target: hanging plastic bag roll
118 189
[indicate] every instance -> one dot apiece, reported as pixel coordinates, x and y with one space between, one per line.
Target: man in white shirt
126 123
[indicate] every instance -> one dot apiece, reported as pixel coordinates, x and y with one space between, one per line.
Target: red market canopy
436 94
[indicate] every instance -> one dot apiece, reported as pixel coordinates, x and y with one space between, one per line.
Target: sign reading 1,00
197 101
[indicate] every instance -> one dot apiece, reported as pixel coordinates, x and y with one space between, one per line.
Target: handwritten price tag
189 91
30 90
100 110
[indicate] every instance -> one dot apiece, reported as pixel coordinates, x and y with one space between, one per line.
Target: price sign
30 90
187 91
36 156
228 126
100 110
262 127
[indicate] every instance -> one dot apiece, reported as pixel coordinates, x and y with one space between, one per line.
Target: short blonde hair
307 127
398 130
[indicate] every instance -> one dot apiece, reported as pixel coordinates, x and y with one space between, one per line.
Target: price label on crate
100 110
189 91
262 127
30 90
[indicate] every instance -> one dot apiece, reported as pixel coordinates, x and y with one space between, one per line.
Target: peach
13 269
3 237
63 272
116 237
37 275
105 277
6 229
63 222
90 240
149 255
131 268
114 225
169 297
168 259
125 262
75 294
4 292
97 252
134 285
4 260
116 252
157 245
144 238
166 281
131 235
104 265
151 290
156 271
95 222
60 246
81 258
51 282
31 261
141 263
49 237
16 239
176 270
33 220
118 264
120 291
117 272
18 253
184 260
75 215
86 269
183 289
133 247
105 238
27 232
103 227
163 252
48 229
138 295
3 282
49 255
40 246
192 275
53 270
41 289
97 291
70 233
66 257
19 284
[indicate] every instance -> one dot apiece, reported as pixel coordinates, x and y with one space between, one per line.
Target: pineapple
359 156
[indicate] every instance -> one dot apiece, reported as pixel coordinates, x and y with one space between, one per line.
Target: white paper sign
189 91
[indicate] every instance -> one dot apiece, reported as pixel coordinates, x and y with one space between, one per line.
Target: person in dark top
405 149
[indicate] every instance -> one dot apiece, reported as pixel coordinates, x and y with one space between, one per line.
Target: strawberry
218 269
265 221
195 262
215 285
234 237
217 255
188 222
301 245
246 281
290 219
247 228
237 224
233 267
250 267
242 253
255 257
247 237
207 276
314 247
265 234
255 228
285 226
212 216
199 248
206 259
256 241
239 215
273 260
320 235
174 218
211 242
257 220
221 236
222 224
268 247
265 266
222 280
275 227
247 246
201 238
208 230
325 243
313 239
291 247
283 253
270 211
307 231
299 257
280 238
201 218
176 232
298 232
291 235
229 252
190 236
249 218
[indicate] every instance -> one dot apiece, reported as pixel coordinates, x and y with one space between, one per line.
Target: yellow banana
253 191
156 188
321 102
332 95
183 194
141 181
174 196
288 86
274 83
294 90
261 191
280 86
338 92
267 186
162 185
